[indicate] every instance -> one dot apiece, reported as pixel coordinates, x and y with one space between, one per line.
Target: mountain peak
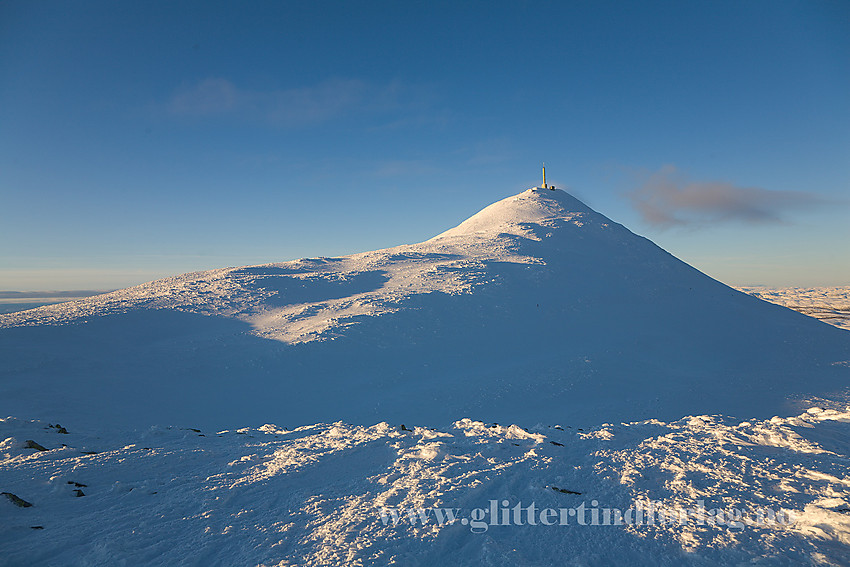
537 309
511 215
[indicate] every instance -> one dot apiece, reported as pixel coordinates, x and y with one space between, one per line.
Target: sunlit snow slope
537 309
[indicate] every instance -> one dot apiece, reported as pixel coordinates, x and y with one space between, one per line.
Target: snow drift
535 310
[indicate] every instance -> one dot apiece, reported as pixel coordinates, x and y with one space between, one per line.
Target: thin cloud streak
405 168
667 198
332 98
288 107
489 151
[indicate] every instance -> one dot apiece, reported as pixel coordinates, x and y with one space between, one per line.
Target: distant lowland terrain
12 301
829 304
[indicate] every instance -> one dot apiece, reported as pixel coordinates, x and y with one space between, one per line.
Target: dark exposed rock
79 493
17 501
30 444
564 490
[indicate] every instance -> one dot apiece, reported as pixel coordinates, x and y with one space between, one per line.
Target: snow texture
314 495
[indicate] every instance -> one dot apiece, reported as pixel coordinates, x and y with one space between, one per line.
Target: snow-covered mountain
535 310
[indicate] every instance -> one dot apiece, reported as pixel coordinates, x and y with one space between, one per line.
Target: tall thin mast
544 176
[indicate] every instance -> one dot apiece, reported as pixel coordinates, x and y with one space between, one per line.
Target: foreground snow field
315 495
647 414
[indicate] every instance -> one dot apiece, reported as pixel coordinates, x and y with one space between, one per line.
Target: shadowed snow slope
537 309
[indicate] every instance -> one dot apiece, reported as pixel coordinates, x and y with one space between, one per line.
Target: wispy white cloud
667 198
290 107
287 107
489 151
406 168
212 96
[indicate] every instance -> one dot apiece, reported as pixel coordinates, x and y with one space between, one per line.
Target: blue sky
146 139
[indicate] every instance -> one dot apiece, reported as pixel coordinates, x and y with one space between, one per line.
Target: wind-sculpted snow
770 492
293 302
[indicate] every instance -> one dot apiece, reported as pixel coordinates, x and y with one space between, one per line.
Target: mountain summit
536 206
535 310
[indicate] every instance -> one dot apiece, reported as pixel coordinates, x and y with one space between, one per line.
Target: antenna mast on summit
551 187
